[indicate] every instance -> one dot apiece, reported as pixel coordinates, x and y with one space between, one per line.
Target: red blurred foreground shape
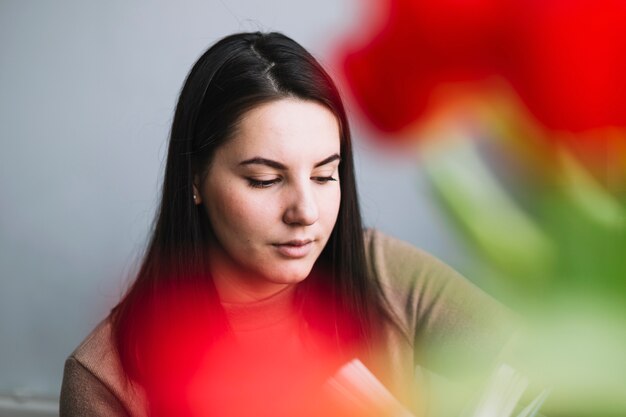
565 59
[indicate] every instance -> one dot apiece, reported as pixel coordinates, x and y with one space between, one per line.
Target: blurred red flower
566 59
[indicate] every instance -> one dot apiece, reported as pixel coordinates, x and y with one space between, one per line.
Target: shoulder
408 276
97 352
438 308
403 270
94 370
391 259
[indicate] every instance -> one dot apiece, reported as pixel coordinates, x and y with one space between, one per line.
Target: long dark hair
236 74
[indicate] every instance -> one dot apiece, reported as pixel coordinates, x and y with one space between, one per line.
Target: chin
289 276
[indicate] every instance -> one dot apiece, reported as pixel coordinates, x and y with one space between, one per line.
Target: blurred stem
500 229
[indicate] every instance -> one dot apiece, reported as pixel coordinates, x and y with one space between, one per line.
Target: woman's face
272 196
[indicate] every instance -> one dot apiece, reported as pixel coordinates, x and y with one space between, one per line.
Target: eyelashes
268 183
323 180
262 183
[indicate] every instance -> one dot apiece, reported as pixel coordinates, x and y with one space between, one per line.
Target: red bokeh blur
566 59
193 366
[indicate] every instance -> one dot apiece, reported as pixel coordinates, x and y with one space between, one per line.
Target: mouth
294 249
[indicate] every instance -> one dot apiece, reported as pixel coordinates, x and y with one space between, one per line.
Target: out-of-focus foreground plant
517 109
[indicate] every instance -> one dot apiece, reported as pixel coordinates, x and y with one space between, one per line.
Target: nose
302 206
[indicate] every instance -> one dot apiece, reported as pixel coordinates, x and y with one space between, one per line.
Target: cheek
238 214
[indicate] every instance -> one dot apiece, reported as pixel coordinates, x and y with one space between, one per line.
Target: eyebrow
277 165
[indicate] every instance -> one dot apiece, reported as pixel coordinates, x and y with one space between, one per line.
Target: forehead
289 130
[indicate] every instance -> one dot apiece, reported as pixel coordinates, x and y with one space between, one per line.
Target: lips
294 249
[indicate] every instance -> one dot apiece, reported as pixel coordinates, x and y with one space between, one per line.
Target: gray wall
87 91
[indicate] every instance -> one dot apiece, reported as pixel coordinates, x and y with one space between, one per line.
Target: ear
197 198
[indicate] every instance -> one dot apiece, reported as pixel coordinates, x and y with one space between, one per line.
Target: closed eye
262 183
323 180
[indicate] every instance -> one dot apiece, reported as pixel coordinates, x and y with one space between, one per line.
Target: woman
259 282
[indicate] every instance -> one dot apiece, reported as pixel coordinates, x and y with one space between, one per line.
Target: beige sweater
443 314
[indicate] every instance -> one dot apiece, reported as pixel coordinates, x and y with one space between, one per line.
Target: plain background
87 93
